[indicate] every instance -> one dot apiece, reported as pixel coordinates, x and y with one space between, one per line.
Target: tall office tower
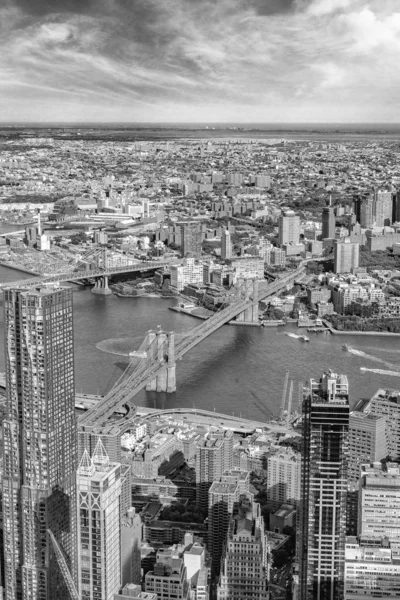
226 245
245 565
328 222
396 207
283 477
99 527
192 237
377 209
386 403
39 433
221 501
324 488
383 208
346 255
379 501
289 228
367 444
214 456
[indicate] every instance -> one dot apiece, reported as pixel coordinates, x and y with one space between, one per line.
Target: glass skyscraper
325 455
39 432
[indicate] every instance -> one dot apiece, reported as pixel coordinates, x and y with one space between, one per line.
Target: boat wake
371 357
381 371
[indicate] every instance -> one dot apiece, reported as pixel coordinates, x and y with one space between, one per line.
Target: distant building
226 245
245 560
262 181
328 222
346 255
289 228
247 266
376 209
324 487
192 237
190 272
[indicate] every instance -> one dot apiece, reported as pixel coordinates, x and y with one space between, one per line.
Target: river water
237 369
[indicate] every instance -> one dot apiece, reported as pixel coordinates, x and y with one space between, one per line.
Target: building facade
346 255
324 488
289 228
39 433
99 527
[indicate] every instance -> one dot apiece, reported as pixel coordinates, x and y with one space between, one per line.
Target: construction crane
289 408
69 582
283 401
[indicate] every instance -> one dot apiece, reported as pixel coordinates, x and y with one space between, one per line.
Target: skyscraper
192 237
226 245
289 228
245 565
39 433
328 222
376 209
214 456
324 488
98 548
221 501
346 255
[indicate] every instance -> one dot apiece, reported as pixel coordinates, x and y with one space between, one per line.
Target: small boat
304 338
345 347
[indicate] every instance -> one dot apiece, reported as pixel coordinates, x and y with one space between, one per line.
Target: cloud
204 60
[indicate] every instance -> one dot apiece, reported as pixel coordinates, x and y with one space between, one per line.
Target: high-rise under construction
39 432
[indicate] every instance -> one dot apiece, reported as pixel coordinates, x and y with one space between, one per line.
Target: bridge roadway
88 274
140 373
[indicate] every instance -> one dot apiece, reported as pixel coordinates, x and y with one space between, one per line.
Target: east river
237 369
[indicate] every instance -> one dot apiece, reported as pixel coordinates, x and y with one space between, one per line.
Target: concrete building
192 237
379 501
285 516
283 477
346 255
376 209
324 487
386 403
367 444
214 456
372 569
221 501
328 222
289 228
245 560
168 579
190 272
131 540
131 590
226 245
98 547
248 267
39 438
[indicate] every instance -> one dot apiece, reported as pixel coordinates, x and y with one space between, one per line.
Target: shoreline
349 332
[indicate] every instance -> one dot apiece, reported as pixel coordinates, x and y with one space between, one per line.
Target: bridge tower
101 286
247 289
162 346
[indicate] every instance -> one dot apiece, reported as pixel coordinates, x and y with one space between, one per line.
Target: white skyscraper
99 549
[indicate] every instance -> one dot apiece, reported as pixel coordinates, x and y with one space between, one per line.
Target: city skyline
214 61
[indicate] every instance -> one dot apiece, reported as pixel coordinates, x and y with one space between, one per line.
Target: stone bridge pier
162 349
101 286
248 290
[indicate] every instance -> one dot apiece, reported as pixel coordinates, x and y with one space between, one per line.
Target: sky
206 61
